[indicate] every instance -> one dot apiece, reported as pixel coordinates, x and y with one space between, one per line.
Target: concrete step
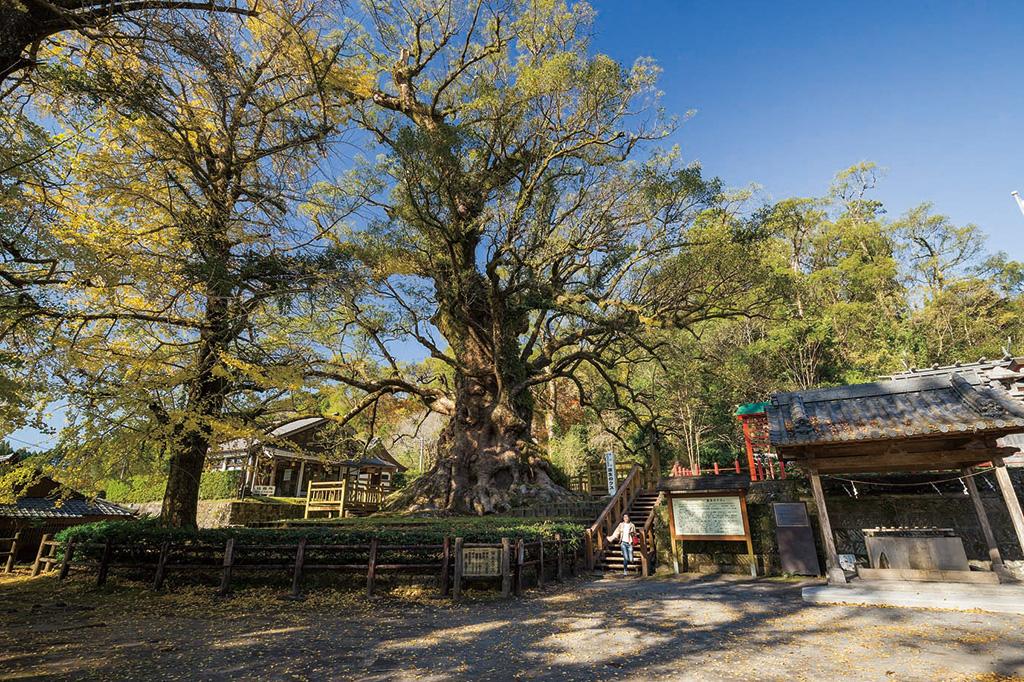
956 596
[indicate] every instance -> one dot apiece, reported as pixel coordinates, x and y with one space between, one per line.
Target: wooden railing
446 561
12 550
344 497
648 544
595 537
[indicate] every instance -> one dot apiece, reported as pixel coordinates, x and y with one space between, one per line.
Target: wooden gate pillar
835 573
1010 498
986 527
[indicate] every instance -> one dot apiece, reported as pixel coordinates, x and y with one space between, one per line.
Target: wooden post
520 558
986 527
300 558
834 570
161 565
753 559
9 566
506 573
229 562
38 565
298 481
101 577
371 568
1010 498
445 564
559 561
675 553
588 543
540 566
309 495
457 582
69 553
344 496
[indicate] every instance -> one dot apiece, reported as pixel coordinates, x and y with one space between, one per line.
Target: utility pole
1020 202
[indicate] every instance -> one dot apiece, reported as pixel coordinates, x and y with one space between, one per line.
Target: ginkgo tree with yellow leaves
180 221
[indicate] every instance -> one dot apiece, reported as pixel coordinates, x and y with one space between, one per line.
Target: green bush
214 485
136 489
219 485
147 533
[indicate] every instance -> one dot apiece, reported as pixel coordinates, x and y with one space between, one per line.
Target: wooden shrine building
945 419
302 451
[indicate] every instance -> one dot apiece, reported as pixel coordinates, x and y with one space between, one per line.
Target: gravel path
610 629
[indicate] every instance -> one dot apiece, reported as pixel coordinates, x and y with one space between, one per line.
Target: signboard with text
709 517
481 561
265 490
609 468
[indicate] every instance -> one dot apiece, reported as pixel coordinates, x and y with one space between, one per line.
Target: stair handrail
648 545
594 537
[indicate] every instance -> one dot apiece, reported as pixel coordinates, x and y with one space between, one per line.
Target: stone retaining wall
221 513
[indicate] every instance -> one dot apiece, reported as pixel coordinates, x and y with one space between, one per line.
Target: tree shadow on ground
704 628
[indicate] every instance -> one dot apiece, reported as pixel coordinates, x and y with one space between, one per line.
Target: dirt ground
608 629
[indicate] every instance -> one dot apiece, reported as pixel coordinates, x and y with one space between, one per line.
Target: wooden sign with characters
709 515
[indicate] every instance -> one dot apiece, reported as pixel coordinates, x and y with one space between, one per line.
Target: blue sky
788 93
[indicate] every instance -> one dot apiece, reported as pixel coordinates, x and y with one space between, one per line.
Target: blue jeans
627 555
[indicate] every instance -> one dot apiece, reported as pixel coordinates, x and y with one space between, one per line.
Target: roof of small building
49 508
750 408
280 437
949 402
290 428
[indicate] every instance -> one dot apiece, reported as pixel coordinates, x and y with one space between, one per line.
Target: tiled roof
938 403
296 425
46 508
1008 372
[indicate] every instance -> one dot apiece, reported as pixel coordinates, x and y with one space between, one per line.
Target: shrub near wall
214 485
148 532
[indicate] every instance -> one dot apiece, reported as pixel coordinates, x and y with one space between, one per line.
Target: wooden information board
481 561
717 516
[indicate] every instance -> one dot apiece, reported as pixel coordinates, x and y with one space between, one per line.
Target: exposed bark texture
486 460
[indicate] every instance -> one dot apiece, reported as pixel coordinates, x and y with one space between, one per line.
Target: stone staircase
642 507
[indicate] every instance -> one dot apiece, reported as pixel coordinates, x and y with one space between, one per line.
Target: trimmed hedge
147 533
214 485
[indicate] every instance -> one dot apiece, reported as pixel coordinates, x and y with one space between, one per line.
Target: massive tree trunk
487 461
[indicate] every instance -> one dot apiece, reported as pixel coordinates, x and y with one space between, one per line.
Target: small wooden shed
946 419
45 507
301 451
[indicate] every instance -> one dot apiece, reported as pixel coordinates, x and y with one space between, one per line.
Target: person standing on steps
624 533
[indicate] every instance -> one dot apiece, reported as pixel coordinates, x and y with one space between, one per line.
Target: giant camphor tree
518 223
179 231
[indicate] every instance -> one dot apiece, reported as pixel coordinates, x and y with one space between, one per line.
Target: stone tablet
791 514
795 539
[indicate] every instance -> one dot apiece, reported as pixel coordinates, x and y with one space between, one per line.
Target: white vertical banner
609 467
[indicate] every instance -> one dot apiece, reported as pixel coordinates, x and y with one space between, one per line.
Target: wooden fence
11 552
444 561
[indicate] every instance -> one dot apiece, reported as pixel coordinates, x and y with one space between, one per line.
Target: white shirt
625 532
